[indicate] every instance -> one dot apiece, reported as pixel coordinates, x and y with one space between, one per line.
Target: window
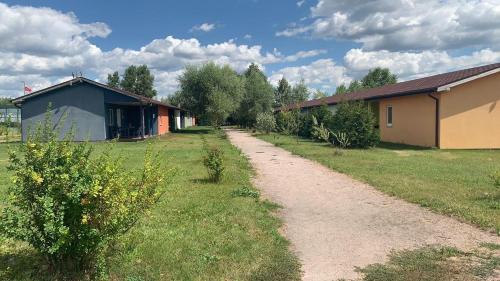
389 116
111 117
119 117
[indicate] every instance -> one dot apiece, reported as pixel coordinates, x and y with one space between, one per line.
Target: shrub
341 139
357 121
320 132
214 162
265 122
69 205
288 122
322 114
245 192
306 125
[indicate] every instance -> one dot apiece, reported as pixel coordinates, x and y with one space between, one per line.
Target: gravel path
336 223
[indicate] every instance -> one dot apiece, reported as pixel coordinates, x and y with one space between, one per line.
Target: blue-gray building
99 112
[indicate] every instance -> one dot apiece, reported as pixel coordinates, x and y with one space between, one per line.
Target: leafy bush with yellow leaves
69 204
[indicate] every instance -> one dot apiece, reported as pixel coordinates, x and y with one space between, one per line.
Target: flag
27 90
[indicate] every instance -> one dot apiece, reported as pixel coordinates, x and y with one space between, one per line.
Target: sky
324 42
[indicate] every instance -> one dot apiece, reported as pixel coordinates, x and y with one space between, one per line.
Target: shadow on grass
195 131
22 264
399 146
202 181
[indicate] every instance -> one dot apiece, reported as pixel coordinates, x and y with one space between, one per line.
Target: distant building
456 110
99 112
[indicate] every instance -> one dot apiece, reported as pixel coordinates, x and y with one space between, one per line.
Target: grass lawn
452 182
198 230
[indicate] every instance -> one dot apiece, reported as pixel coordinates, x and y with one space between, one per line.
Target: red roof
425 85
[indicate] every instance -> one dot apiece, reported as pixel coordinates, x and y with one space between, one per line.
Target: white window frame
389 125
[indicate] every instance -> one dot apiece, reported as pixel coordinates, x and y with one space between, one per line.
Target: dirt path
336 223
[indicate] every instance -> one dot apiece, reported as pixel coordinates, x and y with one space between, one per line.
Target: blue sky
324 42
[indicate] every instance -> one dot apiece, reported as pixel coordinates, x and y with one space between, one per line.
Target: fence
14 113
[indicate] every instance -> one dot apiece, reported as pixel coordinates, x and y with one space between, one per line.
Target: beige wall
413 120
470 114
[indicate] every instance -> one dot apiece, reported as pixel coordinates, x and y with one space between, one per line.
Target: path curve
335 223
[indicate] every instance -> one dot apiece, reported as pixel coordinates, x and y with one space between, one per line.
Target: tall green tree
114 80
355 86
210 91
283 93
258 96
318 94
378 77
136 79
139 80
300 92
341 89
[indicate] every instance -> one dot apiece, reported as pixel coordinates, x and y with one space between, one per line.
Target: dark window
389 116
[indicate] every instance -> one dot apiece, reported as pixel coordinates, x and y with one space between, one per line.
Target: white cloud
247 37
323 73
205 27
408 65
42 53
300 3
411 25
43 30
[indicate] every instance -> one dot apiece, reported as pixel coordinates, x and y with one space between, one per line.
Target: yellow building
455 110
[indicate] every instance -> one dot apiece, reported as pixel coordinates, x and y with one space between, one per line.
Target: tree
355 86
341 89
136 79
114 80
378 77
210 91
318 94
139 80
282 94
174 99
300 92
258 96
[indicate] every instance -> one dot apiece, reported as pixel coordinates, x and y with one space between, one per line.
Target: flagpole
24 88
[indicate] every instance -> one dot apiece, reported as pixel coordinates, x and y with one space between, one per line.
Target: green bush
306 125
288 122
214 162
319 131
69 204
357 121
245 192
265 122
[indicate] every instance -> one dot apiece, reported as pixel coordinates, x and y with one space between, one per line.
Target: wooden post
143 128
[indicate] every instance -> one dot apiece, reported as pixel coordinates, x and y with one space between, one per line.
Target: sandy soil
336 223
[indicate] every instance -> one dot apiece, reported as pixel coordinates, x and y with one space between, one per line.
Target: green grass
451 182
434 264
198 230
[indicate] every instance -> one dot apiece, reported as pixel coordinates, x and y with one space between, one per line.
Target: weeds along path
335 223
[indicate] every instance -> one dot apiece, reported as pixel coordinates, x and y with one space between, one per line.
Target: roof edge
447 87
144 99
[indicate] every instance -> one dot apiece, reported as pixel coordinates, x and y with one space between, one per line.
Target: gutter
437 129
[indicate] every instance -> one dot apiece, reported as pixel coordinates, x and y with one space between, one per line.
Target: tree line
218 94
